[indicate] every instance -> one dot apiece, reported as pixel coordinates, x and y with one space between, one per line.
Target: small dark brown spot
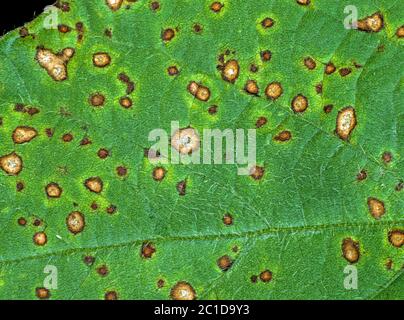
387 157
49 132
42 293
254 279
168 34
224 263
67 137
212 110
266 276
266 55
172 71
111 209
148 250
20 186
267 23
103 270
103 153
121 171
257 172
155 5
283 136
362 175
197 28
94 205
24 32
328 108
22 221
330 68
228 219
111 295
181 187
399 186
126 102
97 100
345 71
253 68
216 6
261 121
89 260
160 283
64 28
310 63
319 88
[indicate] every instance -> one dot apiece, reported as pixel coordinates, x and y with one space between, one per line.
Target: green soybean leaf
85 214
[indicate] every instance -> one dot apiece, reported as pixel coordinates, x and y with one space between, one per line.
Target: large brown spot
346 123
75 222
185 141
376 208
372 23
231 71
350 250
182 291
114 5
199 91
101 59
11 164
53 190
55 64
94 184
251 87
23 134
300 103
274 90
396 238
